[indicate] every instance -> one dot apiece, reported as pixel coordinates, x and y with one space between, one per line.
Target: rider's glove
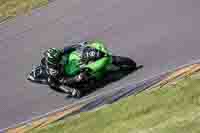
53 72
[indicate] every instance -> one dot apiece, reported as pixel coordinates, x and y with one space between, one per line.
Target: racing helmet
52 56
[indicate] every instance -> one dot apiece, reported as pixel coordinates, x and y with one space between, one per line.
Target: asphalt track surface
160 34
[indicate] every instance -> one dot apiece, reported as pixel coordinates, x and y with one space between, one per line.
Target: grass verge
174 108
12 8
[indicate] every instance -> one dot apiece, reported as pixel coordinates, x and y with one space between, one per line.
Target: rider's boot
76 93
71 91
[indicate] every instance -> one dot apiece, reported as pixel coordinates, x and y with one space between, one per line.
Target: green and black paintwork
73 64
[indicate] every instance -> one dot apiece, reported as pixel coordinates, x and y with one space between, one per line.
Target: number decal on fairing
90 54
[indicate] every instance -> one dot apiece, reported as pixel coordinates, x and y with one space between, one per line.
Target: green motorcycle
73 64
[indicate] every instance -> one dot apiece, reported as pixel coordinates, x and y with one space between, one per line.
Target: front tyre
124 63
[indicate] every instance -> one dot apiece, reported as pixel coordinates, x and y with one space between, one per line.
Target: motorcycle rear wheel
124 63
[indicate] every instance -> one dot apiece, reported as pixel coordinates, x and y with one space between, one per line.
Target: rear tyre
124 63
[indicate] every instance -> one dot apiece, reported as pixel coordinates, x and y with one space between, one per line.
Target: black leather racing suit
55 81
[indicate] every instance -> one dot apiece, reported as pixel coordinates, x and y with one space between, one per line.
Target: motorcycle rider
55 70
